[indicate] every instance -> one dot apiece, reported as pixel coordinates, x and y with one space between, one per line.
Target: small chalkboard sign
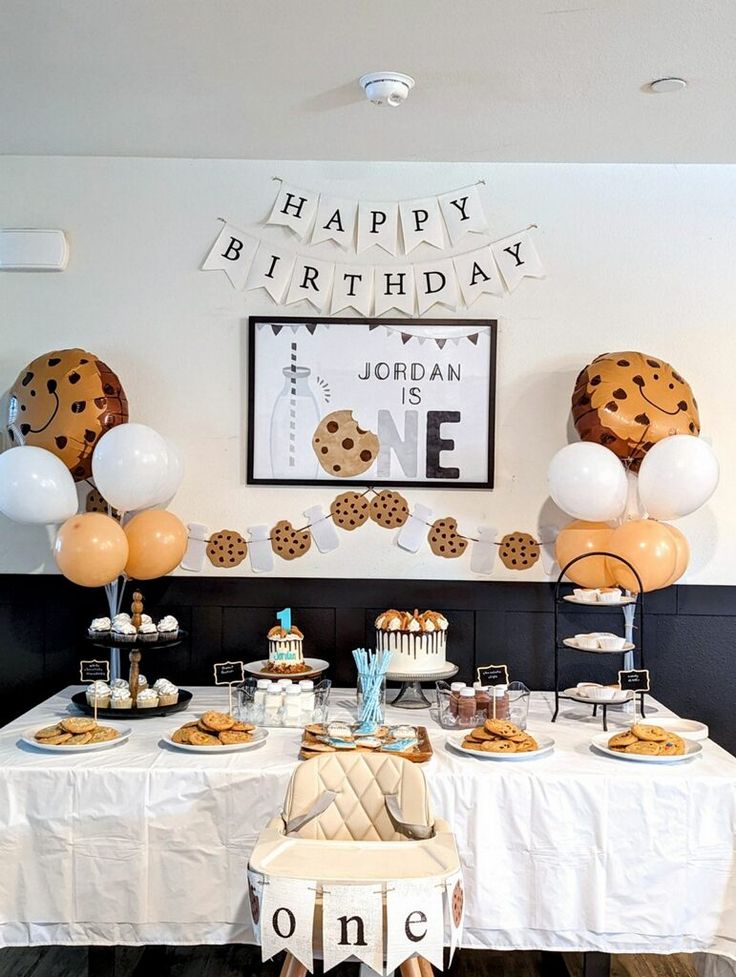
229 673
634 680
94 671
493 675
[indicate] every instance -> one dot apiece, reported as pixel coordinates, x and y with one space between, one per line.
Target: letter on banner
483 554
232 253
517 258
394 288
311 280
378 224
455 895
436 284
335 221
421 221
259 549
463 212
271 269
353 288
414 531
322 528
415 922
295 209
287 918
477 273
352 924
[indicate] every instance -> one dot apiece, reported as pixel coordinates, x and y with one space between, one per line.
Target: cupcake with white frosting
142 683
121 698
147 699
168 628
123 631
99 627
147 631
99 691
168 693
119 683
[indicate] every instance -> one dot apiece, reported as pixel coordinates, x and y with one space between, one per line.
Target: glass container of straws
371 684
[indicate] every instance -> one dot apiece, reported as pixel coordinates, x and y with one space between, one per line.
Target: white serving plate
600 742
546 745
600 603
315 666
578 696
259 735
572 643
124 731
688 729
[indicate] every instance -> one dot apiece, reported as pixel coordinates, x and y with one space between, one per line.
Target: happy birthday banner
451 281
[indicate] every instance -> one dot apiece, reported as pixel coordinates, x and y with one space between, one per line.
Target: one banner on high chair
295 209
518 258
352 924
255 899
232 252
287 918
415 922
455 899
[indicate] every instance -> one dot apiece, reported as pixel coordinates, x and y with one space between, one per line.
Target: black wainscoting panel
690 632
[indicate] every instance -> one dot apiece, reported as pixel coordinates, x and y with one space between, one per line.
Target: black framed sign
371 401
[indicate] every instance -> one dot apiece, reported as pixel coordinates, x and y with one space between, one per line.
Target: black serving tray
80 701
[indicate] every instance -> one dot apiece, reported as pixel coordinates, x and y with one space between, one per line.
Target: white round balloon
174 473
130 465
677 476
588 481
36 486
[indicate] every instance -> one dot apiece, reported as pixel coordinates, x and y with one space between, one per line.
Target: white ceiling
497 80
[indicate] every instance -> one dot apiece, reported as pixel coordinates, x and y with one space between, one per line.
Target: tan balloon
157 541
683 552
91 549
581 537
650 548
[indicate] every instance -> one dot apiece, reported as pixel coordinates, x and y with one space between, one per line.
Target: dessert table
142 844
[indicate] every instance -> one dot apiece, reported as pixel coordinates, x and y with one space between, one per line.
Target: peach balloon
157 541
91 549
581 537
683 552
650 548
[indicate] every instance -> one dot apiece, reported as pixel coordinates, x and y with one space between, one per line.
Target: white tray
688 729
577 696
600 742
572 643
546 746
259 735
124 731
599 603
315 666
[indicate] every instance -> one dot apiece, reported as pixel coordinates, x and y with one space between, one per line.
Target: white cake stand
411 695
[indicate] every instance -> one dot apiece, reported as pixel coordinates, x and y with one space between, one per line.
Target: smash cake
285 654
417 642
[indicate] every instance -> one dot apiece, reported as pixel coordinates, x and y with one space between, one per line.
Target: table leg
596 964
101 961
292 967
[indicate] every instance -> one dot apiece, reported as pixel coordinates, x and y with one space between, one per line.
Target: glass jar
294 417
371 708
519 696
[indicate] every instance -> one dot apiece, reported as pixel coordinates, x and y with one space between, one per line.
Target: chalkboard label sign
493 675
229 673
94 671
634 680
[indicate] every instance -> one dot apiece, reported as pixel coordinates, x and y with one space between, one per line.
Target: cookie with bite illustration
289 543
444 539
344 449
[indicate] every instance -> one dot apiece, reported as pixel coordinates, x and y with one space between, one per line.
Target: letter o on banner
292 923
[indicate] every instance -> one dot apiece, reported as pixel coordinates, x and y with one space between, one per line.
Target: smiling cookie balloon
629 401
65 401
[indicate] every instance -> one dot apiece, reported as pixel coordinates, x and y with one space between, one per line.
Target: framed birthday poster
371 401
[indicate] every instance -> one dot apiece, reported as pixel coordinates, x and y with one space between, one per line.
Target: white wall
638 257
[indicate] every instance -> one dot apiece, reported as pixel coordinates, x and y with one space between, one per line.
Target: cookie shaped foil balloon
64 401
342 448
629 401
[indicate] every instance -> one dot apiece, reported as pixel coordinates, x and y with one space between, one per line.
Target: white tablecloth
576 851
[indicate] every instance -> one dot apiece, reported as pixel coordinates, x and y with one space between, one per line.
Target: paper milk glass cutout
293 420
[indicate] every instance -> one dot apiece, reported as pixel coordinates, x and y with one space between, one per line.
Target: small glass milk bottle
293 421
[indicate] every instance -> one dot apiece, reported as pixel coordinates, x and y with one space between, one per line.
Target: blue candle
284 618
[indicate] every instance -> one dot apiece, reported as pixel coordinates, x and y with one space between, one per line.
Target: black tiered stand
559 646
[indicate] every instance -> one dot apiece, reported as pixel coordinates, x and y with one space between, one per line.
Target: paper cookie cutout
96 503
342 448
289 543
389 509
518 551
444 539
458 901
226 549
350 510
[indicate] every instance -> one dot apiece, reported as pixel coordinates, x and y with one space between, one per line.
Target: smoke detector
386 87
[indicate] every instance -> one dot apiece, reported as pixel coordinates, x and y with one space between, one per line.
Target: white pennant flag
517 258
271 269
378 224
463 212
394 288
353 289
436 284
352 924
287 920
295 209
477 273
415 922
311 281
255 898
232 252
421 221
335 221
455 895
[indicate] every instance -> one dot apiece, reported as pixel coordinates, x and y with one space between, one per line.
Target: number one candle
284 619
